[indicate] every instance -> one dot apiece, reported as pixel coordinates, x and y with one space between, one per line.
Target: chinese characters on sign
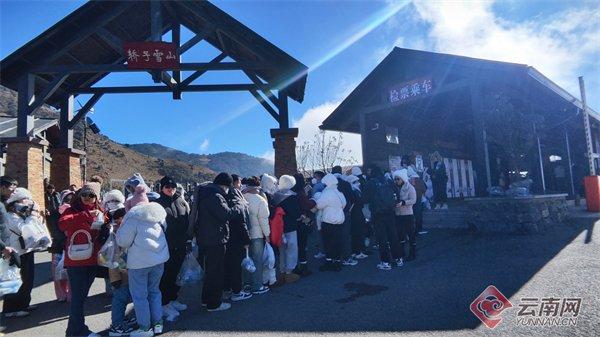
412 89
151 55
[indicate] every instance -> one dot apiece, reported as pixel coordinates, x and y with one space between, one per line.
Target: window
391 135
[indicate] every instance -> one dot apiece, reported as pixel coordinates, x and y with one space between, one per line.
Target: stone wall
285 151
516 215
24 162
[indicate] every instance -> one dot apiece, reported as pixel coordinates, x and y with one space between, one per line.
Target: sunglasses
170 186
88 195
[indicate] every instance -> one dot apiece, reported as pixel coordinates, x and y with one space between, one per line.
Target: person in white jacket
332 203
142 234
26 233
258 227
405 220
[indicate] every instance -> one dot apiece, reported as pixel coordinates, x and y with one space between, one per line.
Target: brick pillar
65 168
285 150
24 162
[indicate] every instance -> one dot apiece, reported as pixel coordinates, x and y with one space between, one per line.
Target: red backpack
276 225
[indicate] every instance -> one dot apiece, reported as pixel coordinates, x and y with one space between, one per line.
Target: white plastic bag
248 264
107 255
190 272
10 278
268 256
35 235
60 272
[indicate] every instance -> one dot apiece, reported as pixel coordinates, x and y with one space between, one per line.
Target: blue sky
342 41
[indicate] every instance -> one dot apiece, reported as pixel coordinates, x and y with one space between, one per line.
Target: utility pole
588 131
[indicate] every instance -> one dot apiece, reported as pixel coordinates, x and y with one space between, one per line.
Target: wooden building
493 122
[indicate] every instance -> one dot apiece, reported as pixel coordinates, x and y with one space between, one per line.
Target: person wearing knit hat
288 252
133 182
139 197
113 200
405 220
90 188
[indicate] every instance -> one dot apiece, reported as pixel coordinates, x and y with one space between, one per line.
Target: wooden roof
345 116
76 39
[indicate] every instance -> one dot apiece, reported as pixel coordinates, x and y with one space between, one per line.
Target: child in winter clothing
332 202
142 234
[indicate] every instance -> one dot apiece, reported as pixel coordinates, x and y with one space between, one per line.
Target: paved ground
428 297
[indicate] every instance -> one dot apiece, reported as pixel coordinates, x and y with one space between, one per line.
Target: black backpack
384 197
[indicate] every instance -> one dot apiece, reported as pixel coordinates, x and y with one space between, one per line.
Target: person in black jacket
211 214
288 252
239 241
178 213
304 226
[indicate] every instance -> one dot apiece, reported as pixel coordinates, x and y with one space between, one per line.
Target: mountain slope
231 162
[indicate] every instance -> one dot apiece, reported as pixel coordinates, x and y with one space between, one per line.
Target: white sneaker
223 306
169 312
399 262
242 295
361 256
142 333
319 255
350 262
178 305
384 266
20 313
158 328
444 206
423 232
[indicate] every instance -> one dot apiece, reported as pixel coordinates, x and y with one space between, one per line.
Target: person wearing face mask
22 211
212 233
357 221
76 222
405 220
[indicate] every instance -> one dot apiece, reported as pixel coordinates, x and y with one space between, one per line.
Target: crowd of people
226 222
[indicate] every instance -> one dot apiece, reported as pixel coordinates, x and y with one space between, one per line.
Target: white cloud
308 126
269 155
562 46
204 146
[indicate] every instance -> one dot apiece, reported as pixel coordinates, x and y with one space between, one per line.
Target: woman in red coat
82 229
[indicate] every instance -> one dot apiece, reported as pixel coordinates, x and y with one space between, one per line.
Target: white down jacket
258 210
332 201
142 234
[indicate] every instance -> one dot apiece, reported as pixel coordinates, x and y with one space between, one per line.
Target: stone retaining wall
516 215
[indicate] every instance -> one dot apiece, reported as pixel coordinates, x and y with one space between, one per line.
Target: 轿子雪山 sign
151 55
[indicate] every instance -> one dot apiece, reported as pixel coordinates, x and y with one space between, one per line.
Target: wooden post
588 131
24 117
156 31
176 40
66 115
284 121
481 161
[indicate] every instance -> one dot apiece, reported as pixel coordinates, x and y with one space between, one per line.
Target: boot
280 280
291 278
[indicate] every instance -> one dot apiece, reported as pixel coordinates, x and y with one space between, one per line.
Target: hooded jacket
142 234
212 215
407 196
288 200
178 213
258 213
331 201
238 227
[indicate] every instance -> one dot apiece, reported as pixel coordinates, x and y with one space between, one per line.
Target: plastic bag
107 255
248 264
268 256
60 272
35 235
190 272
10 278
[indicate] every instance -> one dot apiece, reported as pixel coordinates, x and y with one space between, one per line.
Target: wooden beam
258 81
107 68
158 89
195 40
264 103
84 110
156 31
89 29
66 115
48 91
24 118
199 73
176 40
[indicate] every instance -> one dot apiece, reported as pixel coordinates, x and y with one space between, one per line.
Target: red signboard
413 89
151 55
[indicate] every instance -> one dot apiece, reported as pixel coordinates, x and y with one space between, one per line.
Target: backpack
384 197
276 224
